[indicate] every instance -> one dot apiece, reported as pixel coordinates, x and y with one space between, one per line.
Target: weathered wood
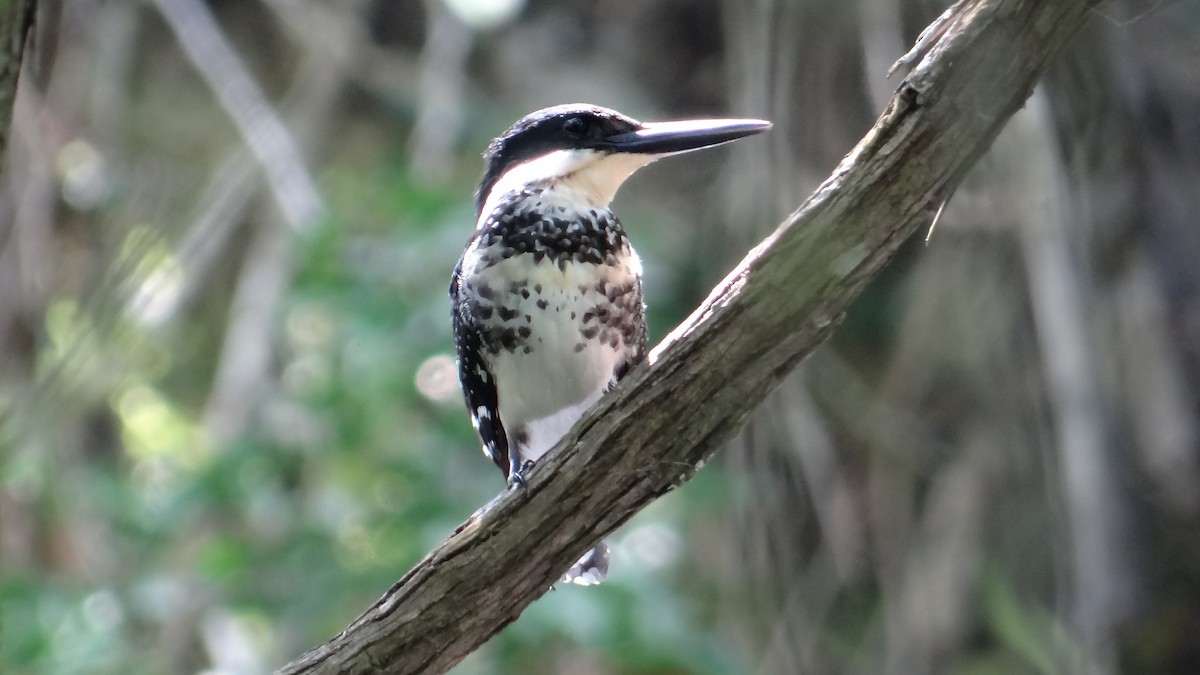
657 428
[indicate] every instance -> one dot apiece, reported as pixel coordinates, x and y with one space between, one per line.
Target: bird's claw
516 479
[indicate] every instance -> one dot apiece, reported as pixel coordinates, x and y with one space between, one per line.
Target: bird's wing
634 333
478 384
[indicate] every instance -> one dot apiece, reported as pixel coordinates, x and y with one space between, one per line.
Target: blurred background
229 417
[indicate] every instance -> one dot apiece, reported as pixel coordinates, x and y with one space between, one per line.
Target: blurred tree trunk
16 345
16 18
1057 298
665 420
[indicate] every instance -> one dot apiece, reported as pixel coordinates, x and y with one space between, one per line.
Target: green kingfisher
546 300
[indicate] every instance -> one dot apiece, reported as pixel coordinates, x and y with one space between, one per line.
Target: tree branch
658 427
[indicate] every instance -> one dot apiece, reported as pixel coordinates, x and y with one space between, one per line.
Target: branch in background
440 94
247 351
234 183
666 418
242 373
16 18
23 238
265 134
1058 283
249 347
231 191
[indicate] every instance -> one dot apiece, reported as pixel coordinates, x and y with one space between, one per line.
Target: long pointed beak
664 138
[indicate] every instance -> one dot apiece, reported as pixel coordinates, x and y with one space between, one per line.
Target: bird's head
594 149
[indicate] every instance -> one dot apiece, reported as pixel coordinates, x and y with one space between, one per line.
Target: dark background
228 409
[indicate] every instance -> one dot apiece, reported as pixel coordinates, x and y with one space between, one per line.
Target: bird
546 300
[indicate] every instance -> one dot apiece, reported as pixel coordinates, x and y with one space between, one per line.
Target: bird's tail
591 569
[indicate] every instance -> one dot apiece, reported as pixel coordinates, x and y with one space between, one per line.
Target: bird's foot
516 479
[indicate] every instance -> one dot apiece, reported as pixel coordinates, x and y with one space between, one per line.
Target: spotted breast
555 296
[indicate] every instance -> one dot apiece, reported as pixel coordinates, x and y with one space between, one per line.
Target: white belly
563 372
555 374
548 382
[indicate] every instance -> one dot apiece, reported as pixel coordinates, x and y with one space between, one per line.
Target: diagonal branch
655 431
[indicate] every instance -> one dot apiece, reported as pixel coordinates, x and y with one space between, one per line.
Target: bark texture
656 430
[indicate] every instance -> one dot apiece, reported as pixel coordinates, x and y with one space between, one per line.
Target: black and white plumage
546 300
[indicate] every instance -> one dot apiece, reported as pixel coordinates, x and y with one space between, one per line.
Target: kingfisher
546 299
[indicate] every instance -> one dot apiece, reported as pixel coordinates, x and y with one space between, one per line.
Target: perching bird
546 300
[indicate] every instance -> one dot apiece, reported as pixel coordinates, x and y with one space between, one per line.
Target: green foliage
1031 634
360 461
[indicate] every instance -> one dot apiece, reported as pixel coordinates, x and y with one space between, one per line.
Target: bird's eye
576 126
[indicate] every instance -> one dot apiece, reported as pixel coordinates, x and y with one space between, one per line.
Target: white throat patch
587 177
